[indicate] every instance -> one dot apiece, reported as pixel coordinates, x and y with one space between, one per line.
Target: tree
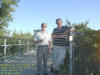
21 34
86 51
6 7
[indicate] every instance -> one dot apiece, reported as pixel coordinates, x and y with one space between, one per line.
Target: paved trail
29 59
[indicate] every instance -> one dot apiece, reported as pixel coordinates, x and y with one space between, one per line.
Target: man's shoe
52 70
38 74
45 74
56 71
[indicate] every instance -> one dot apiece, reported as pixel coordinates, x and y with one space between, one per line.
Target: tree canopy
6 7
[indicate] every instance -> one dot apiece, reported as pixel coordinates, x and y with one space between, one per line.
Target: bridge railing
10 47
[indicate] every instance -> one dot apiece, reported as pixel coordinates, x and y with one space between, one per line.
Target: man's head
59 22
43 26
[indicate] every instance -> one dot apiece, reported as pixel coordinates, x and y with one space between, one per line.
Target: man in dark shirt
59 44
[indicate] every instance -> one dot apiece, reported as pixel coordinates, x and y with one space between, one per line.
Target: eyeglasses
43 26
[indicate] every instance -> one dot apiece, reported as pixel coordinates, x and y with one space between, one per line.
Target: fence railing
10 47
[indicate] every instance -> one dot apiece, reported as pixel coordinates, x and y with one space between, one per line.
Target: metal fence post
5 47
71 52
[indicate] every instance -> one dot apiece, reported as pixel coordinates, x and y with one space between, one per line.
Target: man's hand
43 40
53 36
49 51
72 28
38 41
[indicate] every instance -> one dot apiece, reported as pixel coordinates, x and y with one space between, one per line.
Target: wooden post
19 47
27 45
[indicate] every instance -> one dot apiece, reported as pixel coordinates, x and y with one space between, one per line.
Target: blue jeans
58 56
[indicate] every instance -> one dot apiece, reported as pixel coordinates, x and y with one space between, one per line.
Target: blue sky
31 13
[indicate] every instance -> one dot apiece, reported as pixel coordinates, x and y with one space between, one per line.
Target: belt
43 45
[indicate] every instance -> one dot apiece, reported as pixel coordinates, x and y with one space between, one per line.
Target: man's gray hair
58 19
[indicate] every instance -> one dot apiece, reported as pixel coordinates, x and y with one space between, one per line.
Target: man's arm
38 41
58 36
71 29
50 46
